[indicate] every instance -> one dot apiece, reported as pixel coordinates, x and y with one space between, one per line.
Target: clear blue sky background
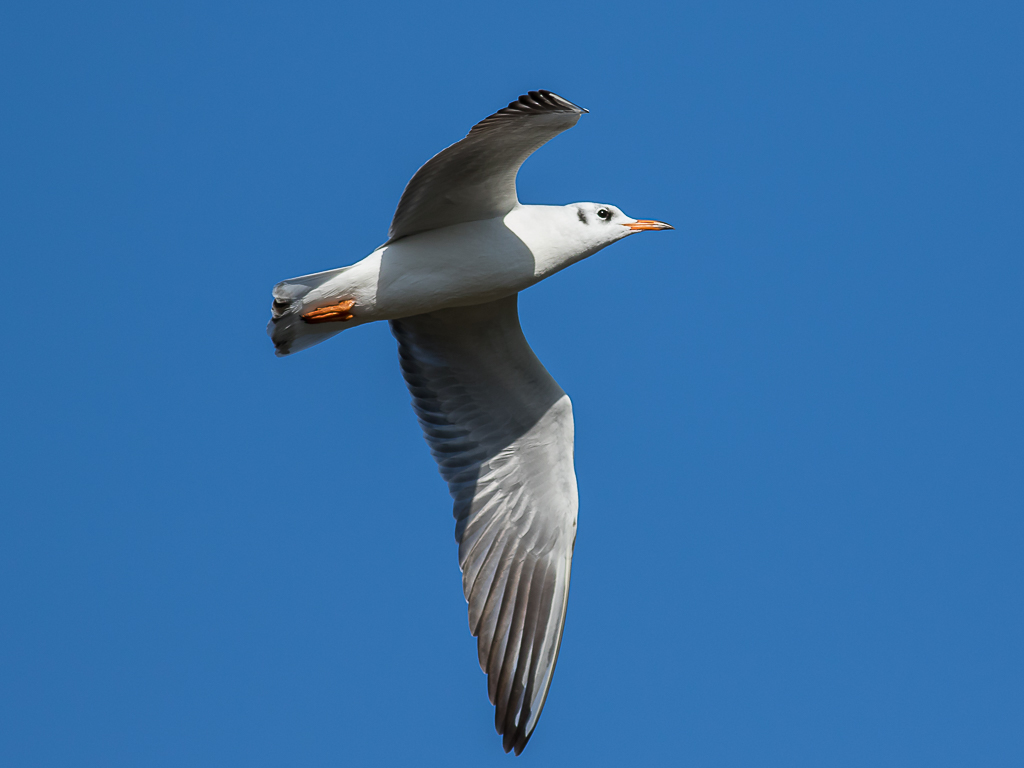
800 432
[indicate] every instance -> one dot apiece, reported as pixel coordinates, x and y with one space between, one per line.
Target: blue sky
800 433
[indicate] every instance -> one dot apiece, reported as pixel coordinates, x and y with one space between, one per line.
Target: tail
292 298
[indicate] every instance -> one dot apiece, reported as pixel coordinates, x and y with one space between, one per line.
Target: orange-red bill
647 224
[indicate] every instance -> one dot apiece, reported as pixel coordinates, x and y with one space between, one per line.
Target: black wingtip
536 103
521 743
558 98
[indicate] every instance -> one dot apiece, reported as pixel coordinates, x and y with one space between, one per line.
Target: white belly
456 266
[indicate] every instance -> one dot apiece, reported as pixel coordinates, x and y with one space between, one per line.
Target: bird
460 249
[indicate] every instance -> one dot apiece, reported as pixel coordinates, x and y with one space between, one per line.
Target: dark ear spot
582 216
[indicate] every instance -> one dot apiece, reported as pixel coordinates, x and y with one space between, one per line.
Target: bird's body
461 248
455 266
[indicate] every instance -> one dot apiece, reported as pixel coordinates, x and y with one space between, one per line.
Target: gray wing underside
501 431
475 178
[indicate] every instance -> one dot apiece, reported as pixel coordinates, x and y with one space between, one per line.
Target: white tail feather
292 298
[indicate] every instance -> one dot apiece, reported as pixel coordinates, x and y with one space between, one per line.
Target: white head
600 224
560 235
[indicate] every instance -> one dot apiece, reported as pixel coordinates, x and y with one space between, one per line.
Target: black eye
604 214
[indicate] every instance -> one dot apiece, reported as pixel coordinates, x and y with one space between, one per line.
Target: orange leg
341 311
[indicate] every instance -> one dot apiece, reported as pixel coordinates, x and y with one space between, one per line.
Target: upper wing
476 178
501 431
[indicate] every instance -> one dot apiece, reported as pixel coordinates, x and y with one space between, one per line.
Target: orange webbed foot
341 311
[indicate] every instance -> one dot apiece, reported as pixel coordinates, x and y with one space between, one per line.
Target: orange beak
645 224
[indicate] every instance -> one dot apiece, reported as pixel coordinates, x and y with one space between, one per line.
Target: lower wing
501 431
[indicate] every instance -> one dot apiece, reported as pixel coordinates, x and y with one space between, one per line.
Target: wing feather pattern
501 431
475 178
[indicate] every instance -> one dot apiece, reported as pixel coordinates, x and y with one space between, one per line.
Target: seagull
460 249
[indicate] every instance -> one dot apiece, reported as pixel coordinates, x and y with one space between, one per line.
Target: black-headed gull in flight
460 249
